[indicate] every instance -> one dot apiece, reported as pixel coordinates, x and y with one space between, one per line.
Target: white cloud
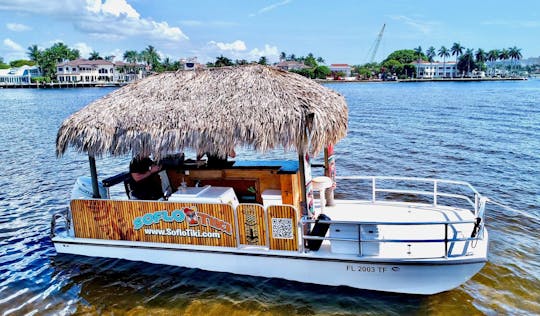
107 19
16 27
268 51
271 7
422 26
236 46
12 45
113 7
84 49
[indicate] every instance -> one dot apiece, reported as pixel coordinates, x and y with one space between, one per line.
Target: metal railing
477 202
446 240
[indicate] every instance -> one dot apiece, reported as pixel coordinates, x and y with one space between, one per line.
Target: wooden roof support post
93 174
330 171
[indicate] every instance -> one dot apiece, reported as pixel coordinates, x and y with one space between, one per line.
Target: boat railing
474 199
475 235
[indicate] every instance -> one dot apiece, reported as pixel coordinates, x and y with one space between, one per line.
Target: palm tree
418 52
151 56
504 54
34 53
94 56
282 56
131 56
430 53
457 50
493 56
320 60
515 54
469 58
444 53
222 61
480 56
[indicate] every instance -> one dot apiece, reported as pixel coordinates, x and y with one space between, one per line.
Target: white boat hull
402 276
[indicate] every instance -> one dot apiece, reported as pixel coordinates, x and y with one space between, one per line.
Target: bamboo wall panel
251 224
282 226
168 222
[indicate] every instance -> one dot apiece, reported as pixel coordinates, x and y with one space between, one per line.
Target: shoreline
422 80
55 85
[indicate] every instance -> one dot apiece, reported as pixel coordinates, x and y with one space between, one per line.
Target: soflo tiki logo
187 214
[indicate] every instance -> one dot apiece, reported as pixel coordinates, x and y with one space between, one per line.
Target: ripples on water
485 133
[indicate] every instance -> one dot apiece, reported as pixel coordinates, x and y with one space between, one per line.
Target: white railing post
373 190
476 204
434 192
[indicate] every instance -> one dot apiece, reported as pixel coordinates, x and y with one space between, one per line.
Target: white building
21 75
344 68
289 65
98 71
429 70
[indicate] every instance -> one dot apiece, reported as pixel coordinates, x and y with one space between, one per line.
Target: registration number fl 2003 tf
370 269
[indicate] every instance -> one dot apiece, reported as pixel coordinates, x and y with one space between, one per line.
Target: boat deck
409 230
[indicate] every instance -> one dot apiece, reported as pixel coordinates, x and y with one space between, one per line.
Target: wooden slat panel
282 226
168 222
251 224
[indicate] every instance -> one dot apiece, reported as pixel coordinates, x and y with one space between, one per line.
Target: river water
486 133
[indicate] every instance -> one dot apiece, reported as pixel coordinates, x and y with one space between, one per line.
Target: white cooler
271 197
206 194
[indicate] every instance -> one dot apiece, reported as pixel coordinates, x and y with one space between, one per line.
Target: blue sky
338 31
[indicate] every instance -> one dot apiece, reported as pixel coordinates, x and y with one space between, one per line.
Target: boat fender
319 230
476 227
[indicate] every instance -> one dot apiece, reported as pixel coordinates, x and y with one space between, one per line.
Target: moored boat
260 218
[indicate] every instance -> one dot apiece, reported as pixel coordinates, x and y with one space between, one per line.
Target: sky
343 31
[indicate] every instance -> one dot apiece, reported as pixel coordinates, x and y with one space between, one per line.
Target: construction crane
375 47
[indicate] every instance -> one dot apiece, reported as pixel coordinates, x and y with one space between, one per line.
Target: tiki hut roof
210 110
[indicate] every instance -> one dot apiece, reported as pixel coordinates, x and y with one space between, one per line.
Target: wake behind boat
261 218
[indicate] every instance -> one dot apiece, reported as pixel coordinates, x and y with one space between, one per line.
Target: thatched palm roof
210 110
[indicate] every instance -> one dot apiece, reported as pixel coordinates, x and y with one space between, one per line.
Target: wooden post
93 174
330 171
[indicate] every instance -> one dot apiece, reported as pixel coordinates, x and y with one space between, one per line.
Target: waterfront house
19 76
344 68
430 70
98 71
289 65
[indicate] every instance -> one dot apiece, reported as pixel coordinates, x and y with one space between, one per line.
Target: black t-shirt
148 188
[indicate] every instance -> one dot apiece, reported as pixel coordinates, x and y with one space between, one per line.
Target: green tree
95 56
481 58
515 54
151 58
262 60
418 53
394 67
131 56
444 53
21 62
466 61
33 53
321 72
457 50
492 57
310 61
320 60
222 61
306 72
404 56
282 56
53 55
241 62
2 65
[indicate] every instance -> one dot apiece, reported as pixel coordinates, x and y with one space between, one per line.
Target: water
485 133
